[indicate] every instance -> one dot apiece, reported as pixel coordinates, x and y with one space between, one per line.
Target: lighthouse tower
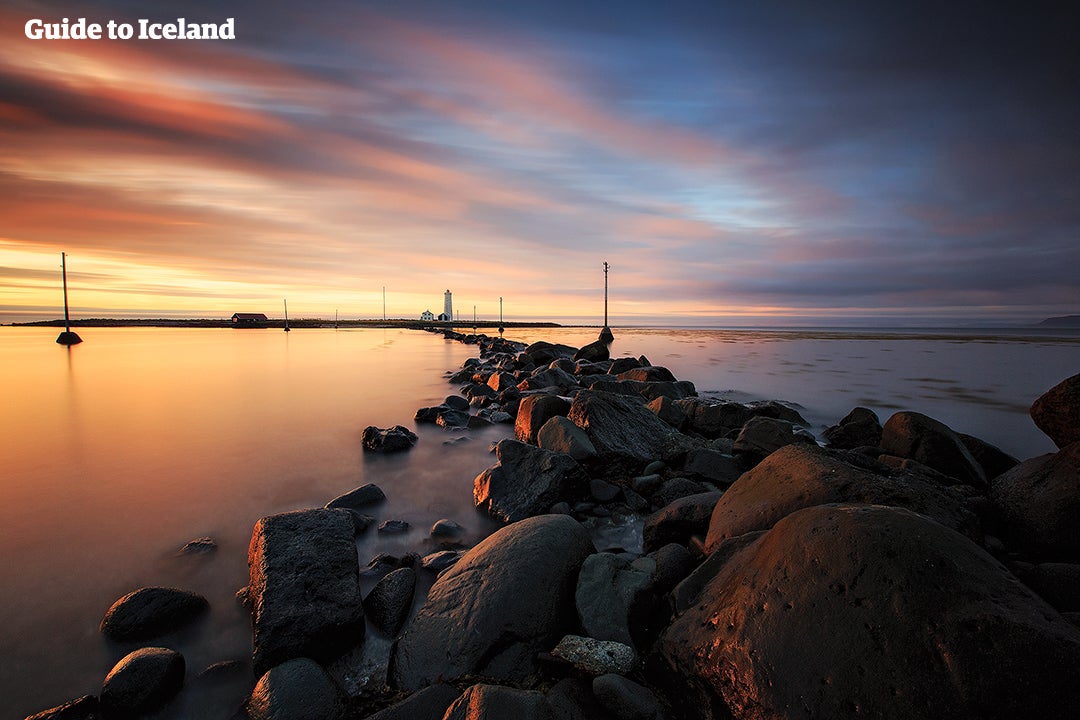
448 306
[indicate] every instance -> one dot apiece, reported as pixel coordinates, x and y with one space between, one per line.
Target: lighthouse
448 306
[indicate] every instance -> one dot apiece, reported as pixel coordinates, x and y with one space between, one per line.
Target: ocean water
118 451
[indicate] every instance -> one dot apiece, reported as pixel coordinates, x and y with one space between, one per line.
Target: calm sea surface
116 452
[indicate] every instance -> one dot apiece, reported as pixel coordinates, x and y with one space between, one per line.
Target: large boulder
626 435
612 596
993 460
597 351
389 440
868 610
305 587
761 436
1039 501
799 476
142 682
389 602
713 419
559 434
534 411
627 700
651 373
920 438
526 481
298 689
427 704
509 598
679 521
1057 412
550 377
543 352
495 702
151 611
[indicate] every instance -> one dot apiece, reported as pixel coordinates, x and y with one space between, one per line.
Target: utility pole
384 303
502 329
67 337
605 334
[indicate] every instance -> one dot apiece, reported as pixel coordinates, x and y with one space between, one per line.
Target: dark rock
452 419
652 373
673 564
431 414
495 702
873 610
596 657
761 436
534 411
430 703
621 365
548 378
298 689
393 527
456 402
509 598
711 466
777 411
634 501
626 700
798 476
646 484
666 409
572 699
602 491
560 435
526 481
142 682
446 530
472 392
993 460
687 591
151 611
597 351
542 352
501 381
1039 501
316 613
359 498
560 508
395 439
361 521
439 561
675 488
626 435
1056 583
612 595
199 546
712 419
84 708
679 520
1057 412
860 427
389 602
567 366
925 440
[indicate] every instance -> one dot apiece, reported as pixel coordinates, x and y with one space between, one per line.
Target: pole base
605 335
68 338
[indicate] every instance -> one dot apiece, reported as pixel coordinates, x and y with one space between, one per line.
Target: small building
427 316
443 317
250 320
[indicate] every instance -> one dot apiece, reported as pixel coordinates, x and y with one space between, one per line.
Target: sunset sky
735 162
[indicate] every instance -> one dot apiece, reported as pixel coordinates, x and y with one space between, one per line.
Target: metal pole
384 303
67 317
605 293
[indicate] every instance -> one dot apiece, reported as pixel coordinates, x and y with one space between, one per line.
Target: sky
736 163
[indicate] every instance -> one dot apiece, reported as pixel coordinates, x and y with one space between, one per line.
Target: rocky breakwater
898 570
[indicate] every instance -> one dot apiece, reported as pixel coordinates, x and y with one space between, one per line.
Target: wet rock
596 657
625 434
799 476
1039 501
298 689
452 419
627 700
873 610
359 498
361 521
925 440
389 602
534 411
560 435
439 561
316 613
612 595
142 682
526 481
390 440
430 703
508 599
679 520
495 702
84 708
393 527
761 436
445 530
594 352
666 409
1057 412
860 427
199 546
456 402
151 611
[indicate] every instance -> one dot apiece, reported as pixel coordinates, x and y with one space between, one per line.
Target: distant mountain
1063 321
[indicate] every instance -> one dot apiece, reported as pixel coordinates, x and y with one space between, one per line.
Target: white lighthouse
448 306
